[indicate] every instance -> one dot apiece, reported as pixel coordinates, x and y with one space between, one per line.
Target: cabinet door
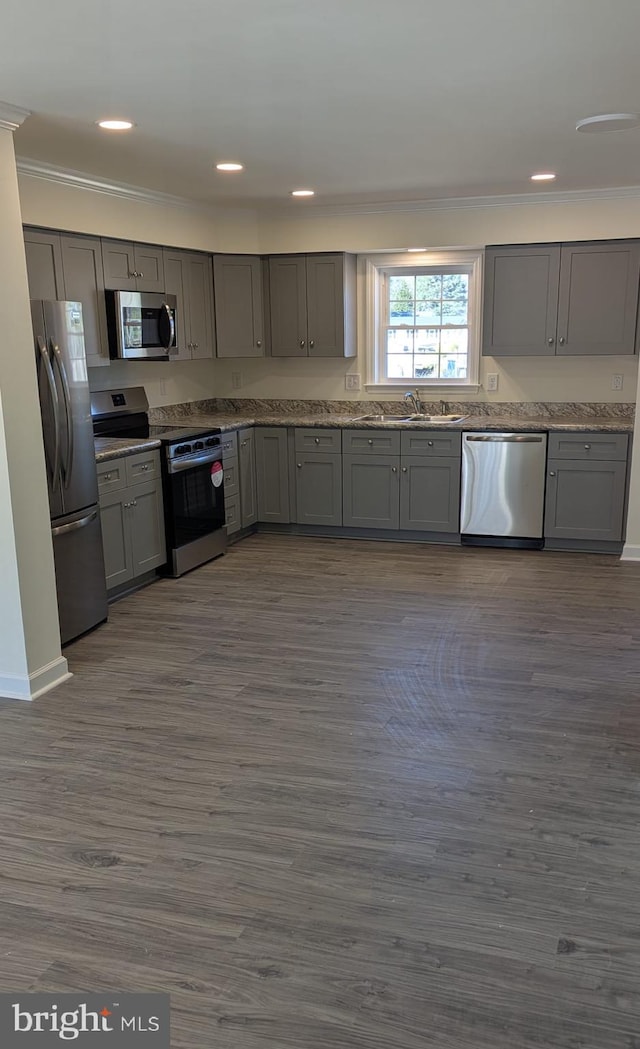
272 474
116 537
44 265
430 493
118 264
84 282
521 300
288 303
598 298
176 274
201 306
325 305
147 526
149 266
318 488
237 282
584 499
370 491
247 463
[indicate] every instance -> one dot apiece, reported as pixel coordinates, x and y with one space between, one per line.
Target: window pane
455 341
455 286
425 369
429 312
400 341
401 287
453 366
455 312
401 311
400 366
429 287
428 341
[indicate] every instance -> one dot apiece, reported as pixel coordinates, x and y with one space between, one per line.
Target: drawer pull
430 443
404 469
552 473
587 447
370 441
317 440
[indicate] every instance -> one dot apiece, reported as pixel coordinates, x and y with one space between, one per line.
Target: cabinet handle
369 441
552 473
299 465
301 344
394 469
258 343
404 469
587 447
243 444
195 345
135 502
551 340
132 273
311 343
562 340
107 477
140 274
316 440
430 444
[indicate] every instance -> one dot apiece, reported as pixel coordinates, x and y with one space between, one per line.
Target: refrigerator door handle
75 525
46 363
57 356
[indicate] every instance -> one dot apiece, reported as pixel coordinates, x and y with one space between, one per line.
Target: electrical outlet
616 382
236 380
492 382
163 387
352 381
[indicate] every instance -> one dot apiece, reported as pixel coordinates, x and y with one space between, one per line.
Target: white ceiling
363 100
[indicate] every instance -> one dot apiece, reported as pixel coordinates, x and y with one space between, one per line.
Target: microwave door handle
57 356
168 330
46 363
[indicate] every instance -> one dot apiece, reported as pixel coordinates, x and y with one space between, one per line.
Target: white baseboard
13 686
630 553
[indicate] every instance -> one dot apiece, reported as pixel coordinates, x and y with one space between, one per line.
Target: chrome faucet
414 400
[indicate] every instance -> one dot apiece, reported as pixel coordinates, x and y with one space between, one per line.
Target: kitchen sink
436 418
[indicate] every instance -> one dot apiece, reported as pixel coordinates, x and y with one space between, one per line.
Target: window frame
374 269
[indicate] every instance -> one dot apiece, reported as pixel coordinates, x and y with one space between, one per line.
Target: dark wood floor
342 795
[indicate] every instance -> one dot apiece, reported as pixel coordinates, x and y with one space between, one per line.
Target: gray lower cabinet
238 287
319 488
370 491
585 499
70 267
247 465
272 474
132 519
430 493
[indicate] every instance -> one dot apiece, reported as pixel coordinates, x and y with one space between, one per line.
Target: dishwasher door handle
505 438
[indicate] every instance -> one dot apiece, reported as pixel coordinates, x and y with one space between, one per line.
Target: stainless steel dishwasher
503 479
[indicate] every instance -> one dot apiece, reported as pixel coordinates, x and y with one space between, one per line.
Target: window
423 319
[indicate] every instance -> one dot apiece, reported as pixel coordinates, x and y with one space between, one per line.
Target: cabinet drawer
144 466
231 480
229 444
112 476
232 514
430 442
588 446
371 442
318 440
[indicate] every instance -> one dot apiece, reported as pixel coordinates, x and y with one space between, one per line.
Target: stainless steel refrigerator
71 467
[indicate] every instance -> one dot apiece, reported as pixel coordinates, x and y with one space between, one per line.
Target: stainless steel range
192 475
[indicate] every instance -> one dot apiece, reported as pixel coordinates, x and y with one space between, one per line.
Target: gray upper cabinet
247 464
272 474
430 493
319 488
521 300
132 267
176 273
238 288
188 276
370 491
571 299
312 303
70 267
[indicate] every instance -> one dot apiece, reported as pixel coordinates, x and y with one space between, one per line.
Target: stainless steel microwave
142 325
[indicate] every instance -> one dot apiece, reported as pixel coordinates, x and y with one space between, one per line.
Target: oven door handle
176 466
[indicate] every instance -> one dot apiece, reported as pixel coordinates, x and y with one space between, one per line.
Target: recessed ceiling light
416 249
229 165
115 125
303 192
608 122
543 176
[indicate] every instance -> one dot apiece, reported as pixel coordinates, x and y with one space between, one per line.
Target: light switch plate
352 381
492 382
236 380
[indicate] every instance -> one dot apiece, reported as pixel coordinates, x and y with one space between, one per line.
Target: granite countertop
228 421
116 447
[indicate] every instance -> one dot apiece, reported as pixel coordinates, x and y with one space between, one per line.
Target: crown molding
11 117
322 211
80 180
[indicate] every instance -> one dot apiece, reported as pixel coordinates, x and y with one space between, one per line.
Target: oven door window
196 505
